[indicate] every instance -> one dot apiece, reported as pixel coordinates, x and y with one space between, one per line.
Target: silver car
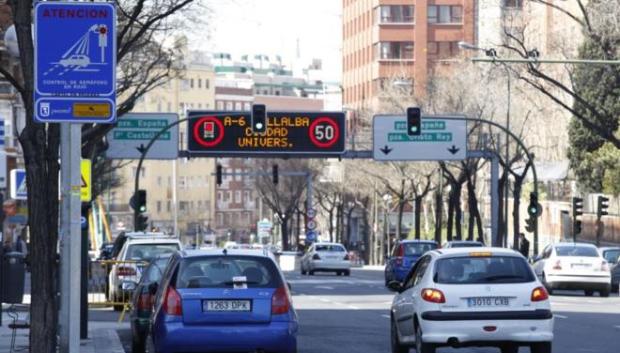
326 257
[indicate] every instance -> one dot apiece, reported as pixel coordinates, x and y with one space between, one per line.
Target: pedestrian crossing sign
86 190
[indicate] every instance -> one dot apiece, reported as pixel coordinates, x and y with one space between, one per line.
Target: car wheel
420 346
541 347
510 348
347 273
395 342
589 292
605 292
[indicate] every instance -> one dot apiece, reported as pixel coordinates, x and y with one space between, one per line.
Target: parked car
404 256
573 266
462 244
224 300
612 256
326 257
466 297
132 259
142 302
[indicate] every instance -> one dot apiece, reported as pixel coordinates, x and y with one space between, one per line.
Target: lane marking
325 300
385 316
324 287
560 316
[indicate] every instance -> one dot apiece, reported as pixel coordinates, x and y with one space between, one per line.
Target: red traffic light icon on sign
208 131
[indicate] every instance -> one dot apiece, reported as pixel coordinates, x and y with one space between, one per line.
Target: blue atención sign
75 62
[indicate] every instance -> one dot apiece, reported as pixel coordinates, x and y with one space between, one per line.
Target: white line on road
560 316
324 287
325 300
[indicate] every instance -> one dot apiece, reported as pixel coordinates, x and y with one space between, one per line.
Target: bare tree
139 23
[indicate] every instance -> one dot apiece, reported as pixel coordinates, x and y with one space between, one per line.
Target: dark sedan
612 256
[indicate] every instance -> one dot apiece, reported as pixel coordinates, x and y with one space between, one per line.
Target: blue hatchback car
223 301
404 256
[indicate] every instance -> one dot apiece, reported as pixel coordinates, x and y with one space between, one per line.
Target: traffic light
274 172
141 223
218 174
577 212
138 201
602 205
534 209
414 121
530 224
259 118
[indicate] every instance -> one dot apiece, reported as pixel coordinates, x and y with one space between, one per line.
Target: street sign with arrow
440 140
134 131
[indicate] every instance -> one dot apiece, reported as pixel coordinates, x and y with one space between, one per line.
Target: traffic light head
534 209
576 227
414 121
218 174
141 223
274 172
530 225
141 201
601 206
259 118
577 206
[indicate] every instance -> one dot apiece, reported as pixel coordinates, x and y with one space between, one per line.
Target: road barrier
111 283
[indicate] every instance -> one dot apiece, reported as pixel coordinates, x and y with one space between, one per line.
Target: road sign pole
69 315
495 200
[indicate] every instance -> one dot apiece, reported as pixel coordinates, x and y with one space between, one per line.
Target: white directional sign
441 139
135 130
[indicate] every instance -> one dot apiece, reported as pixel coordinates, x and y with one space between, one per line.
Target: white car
464 297
326 257
133 258
573 266
75 60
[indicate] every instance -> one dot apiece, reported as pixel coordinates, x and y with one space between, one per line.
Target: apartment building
180 193
400 42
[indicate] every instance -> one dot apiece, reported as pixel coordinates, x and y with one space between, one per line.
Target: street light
387 198
492 53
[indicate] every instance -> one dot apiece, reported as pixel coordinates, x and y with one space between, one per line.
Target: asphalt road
351 314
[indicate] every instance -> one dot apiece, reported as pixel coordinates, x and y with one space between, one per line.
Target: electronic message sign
288 133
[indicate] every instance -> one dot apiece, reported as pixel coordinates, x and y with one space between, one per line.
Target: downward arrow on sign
386 150
453 149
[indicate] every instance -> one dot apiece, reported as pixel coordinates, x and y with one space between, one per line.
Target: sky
273 27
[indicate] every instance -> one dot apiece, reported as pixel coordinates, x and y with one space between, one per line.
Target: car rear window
576 251
611 256
333 248
219 271
147 252
418 249
483 270
466 245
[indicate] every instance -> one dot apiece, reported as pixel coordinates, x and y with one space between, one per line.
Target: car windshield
147 252
576 251
482 270
331 248
612 256
466 245
417 249
224 271
156 270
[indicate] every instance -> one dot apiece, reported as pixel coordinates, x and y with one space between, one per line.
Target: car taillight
316 257
144 302
401 251
433 295
604 266
539 294
346 257
172 302
126 271
558 265
280 303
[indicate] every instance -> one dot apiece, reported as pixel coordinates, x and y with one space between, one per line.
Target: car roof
605 248
464 242
328 243
231 252
418 241
449 252
155 240
574 244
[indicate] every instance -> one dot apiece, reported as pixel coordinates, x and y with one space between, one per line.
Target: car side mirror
395 286
153 287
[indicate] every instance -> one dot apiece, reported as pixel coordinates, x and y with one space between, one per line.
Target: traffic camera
259 118
602 205
414 121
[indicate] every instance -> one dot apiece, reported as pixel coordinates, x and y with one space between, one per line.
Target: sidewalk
102 336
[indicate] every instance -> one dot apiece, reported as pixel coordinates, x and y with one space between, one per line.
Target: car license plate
476 302
581 265
226 305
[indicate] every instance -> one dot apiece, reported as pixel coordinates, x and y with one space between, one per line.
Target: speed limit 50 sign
215 133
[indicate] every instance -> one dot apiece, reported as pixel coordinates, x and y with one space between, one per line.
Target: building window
220 219
395 13
199 83
182 182
513 3
219 196
237 196
247 107
206 83
394 50
168 206
142 172
158 206
237 176
182 206
246 196
445 14
238 106
159 181
229 106
199 205
191 83
220 105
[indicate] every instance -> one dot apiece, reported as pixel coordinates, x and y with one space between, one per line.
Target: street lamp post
386 200
491 53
